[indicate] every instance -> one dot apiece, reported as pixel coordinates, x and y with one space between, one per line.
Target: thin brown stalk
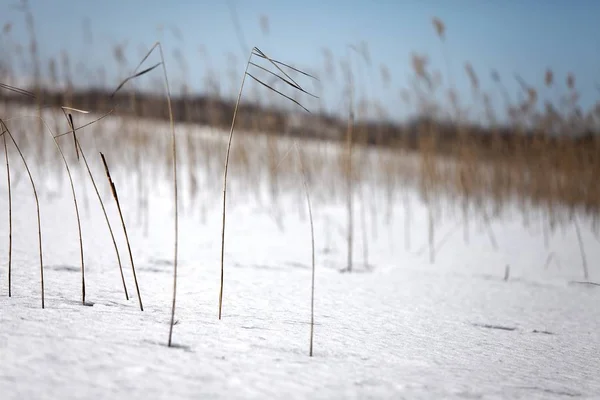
72 125
138 74
10 227
85 125
70 132
431 235
546 233
349 188
277 91
17 90
114 193
407 215
276 64
437 246
37 203
349 169
76 213
488 225
225 184
312 242
175 195
581 249
548 259
363 223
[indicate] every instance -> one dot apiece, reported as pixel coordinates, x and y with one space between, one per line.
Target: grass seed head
549 78
571 81
472 76
440 28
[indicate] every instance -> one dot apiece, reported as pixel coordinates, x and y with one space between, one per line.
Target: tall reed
289 81
10 226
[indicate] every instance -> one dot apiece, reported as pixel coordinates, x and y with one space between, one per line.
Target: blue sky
510 36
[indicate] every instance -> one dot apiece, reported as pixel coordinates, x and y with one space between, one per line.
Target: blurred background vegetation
473 143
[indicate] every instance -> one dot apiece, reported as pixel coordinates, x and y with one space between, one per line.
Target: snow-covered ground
400 328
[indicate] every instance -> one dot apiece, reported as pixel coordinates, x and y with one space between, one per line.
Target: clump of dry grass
80 151
43 123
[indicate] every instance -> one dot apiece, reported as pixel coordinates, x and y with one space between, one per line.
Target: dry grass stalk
407 220
288 80
71 131
363 223
488 225
350 191
312 241
116 197
175 192
10 227
5 130
586 273
349 171
226 168
549 78
431 234
76 211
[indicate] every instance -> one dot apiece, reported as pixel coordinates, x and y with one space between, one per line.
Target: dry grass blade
135 75
275 62
277 91
70 121
256 51
586 273
29 94
115 195
17 90
77 110
522 83
10 227
72 125
283 79
37 204
71 132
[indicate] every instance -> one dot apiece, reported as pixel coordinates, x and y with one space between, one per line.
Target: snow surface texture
401 328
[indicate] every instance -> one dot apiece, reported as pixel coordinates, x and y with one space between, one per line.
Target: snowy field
400 327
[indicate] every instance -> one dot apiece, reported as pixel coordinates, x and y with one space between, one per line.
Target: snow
400 328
